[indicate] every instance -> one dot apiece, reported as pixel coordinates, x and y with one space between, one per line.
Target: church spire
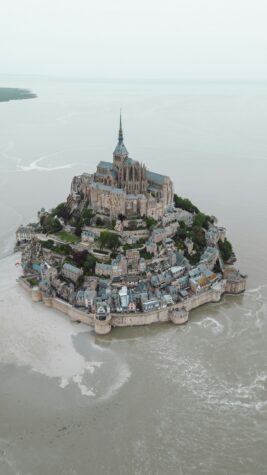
120 131
120 152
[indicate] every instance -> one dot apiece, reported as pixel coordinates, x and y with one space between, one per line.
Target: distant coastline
14 94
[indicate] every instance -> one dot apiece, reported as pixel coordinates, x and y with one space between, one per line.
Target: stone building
103 269
25 233
71 272
88 236
160 234
123 186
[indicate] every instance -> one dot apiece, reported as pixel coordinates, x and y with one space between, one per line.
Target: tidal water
161 400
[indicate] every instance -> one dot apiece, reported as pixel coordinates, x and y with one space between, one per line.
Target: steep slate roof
104 175
88 232
80 295
71 268
129 161
102 266
181 260
120 149
112 189
155 177
108 165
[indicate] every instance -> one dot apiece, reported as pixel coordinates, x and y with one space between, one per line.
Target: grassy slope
68 237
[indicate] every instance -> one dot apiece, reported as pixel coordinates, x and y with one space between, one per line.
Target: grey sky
195 39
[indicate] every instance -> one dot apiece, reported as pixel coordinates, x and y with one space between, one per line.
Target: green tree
50 224
109 240
150 222
114 241
226 249
89 265
202 220
145 254
184 203
87 215
61 211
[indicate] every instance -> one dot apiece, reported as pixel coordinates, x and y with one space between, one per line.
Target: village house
201 278
88 236
71 272
25 233
103 270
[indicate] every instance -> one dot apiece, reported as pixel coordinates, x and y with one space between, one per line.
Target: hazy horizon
177 40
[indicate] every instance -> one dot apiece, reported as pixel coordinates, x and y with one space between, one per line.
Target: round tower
102 319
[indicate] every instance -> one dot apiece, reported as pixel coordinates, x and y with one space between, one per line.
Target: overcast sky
176 39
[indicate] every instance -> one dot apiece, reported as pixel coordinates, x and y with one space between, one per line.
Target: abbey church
124 186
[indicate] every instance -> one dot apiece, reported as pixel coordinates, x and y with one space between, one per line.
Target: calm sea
160 400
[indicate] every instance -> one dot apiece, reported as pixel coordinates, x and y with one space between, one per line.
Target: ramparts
177 313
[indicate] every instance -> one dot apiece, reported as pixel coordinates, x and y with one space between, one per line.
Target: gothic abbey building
123 186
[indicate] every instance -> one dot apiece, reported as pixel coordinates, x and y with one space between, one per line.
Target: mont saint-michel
125 250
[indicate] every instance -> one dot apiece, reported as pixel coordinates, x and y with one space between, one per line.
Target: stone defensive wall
75 314
177 313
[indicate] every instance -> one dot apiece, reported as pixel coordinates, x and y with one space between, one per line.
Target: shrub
226 249
145 254
50 224
184 204
150 222
87 215
61 211
32 281
89 264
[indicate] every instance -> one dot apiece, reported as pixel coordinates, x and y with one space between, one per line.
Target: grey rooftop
107 165
112 189
155 177
71 268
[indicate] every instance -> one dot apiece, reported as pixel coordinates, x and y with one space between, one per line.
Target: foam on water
209 322
34 165
204 368
7 462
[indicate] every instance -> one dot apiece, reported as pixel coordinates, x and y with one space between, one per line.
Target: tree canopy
226 249
109 240
50 224
185 204
202 220
150 222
